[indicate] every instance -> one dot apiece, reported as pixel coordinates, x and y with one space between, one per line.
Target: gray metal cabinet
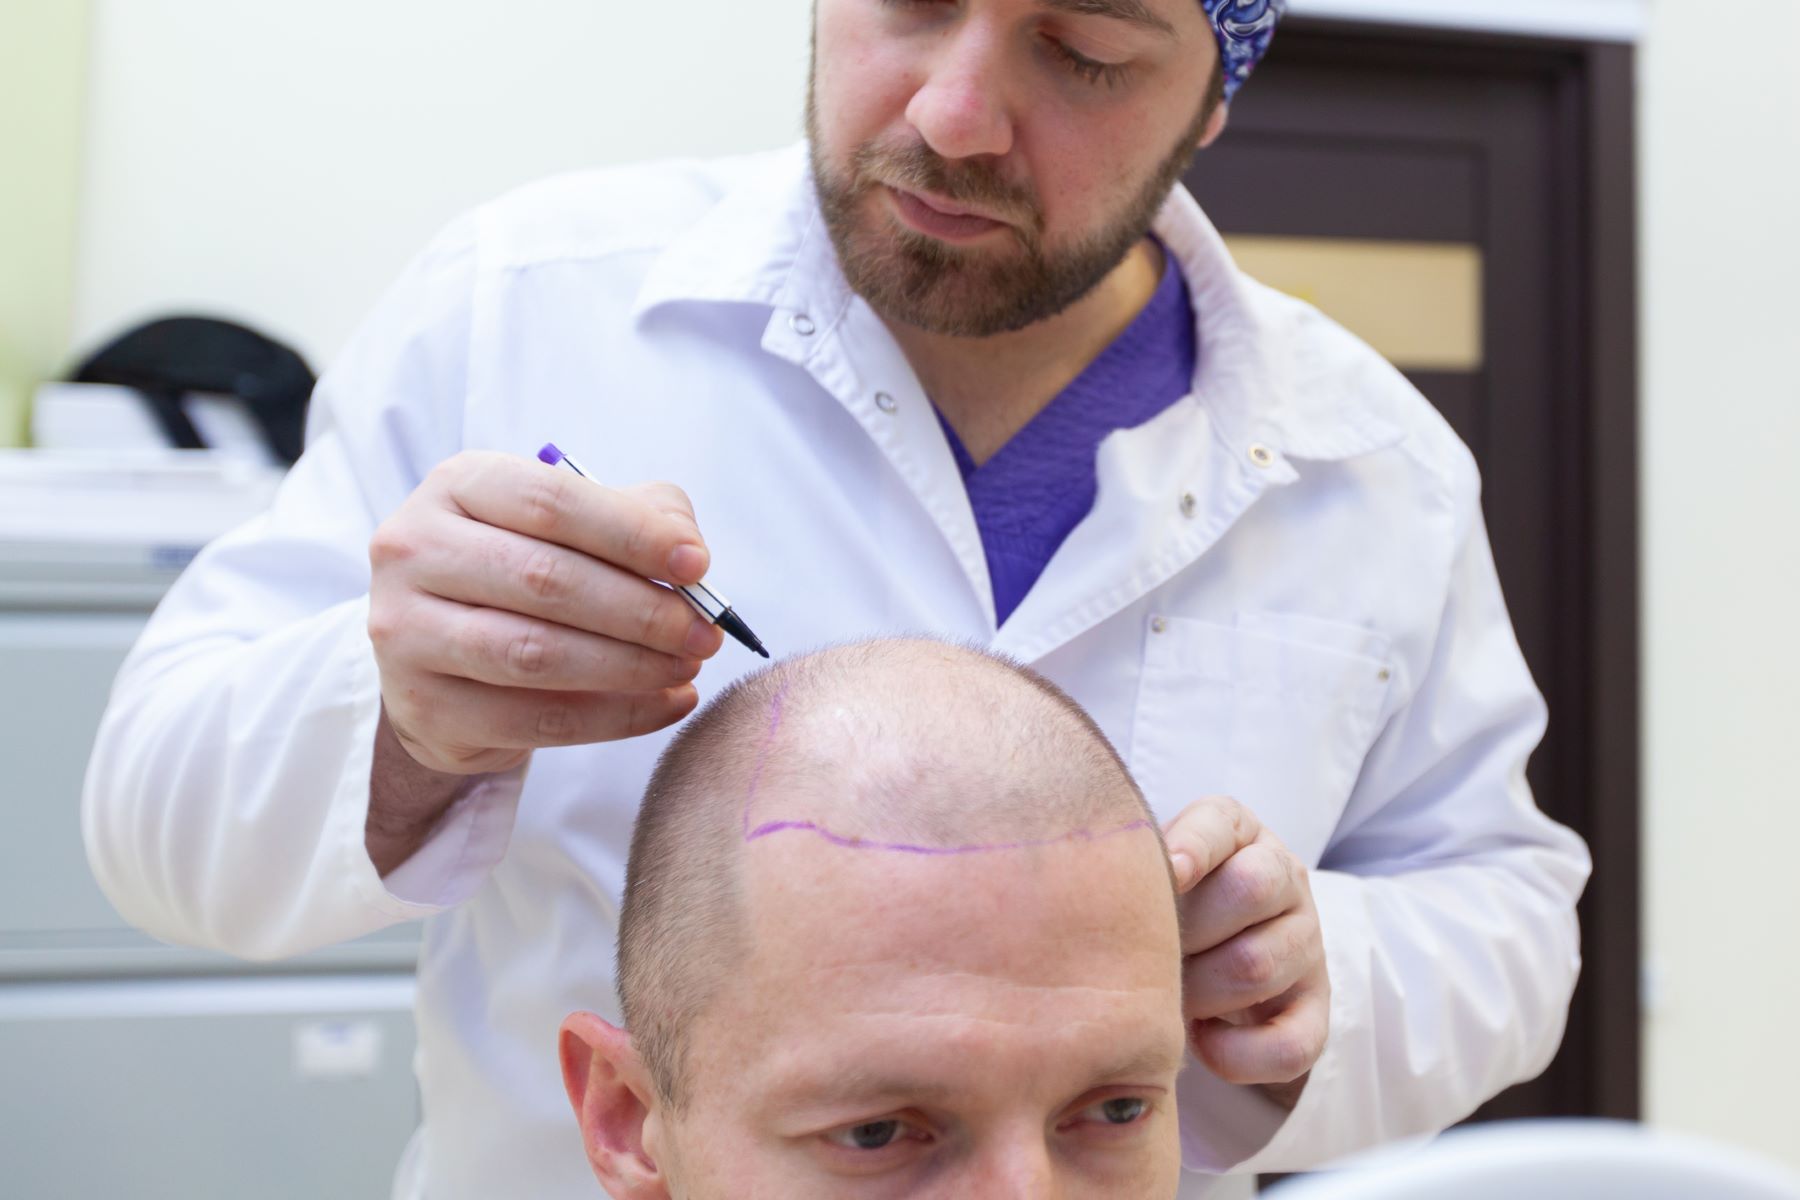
205 1089
129 1067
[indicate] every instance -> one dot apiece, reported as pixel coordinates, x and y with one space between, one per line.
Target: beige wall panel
1418 303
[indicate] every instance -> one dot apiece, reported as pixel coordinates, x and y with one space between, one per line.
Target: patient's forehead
989 973
1038 914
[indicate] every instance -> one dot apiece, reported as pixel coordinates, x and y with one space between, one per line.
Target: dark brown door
1498 173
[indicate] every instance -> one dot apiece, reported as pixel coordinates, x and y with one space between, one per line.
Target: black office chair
168 360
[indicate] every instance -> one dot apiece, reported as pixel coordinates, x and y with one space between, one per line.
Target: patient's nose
1017 1169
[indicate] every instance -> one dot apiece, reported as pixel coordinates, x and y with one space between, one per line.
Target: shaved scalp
910 746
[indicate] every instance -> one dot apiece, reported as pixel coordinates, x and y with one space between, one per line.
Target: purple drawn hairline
857 843
770 828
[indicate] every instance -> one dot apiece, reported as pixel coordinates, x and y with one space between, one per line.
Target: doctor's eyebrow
1135 12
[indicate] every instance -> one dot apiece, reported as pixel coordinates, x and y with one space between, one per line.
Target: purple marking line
848 843
852 843
762 756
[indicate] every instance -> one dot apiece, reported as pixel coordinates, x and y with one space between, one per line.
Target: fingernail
687 563
702 639
1183 862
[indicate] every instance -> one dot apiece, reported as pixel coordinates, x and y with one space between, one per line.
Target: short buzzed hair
906 778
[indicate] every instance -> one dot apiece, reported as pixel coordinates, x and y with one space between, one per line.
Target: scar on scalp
770 828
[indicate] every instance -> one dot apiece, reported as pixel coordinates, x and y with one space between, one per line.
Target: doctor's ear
1215 124
614 1100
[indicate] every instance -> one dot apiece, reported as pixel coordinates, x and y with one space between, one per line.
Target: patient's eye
1117 1112
872 1135
1123 1110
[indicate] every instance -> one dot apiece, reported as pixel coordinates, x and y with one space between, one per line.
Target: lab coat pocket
1277 711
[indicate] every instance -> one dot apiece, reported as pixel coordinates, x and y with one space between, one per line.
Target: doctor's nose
961 109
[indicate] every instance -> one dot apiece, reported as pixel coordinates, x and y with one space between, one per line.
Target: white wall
1608 20
280 162
1721 415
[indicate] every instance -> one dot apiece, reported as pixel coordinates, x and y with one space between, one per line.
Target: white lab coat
1284 593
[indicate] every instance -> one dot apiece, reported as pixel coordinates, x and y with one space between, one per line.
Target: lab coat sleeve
1447 906
229 784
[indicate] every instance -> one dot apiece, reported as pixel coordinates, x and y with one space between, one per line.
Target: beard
918 280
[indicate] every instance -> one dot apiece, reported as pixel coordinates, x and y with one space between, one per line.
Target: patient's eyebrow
1148 1062
875 1087
858 1085
1134 12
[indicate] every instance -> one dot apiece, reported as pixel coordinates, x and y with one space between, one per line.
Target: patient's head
897 923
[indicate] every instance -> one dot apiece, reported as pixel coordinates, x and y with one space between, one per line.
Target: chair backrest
167 360
1552 1160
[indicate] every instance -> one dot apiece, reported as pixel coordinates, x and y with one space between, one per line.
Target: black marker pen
707 602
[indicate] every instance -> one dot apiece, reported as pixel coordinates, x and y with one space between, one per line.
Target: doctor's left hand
1254 985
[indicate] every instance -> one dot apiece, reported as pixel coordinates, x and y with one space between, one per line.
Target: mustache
916 167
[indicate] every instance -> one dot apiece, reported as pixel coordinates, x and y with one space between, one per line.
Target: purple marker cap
550 454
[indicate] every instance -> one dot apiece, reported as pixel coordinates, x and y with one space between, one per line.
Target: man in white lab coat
969 363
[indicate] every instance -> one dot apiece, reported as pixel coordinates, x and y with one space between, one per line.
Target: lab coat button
802 324
1261 455
886 403
1158 625
1189 505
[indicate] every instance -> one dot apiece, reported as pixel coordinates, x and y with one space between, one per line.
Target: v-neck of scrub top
1037 488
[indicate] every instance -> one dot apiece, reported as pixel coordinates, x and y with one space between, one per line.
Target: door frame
1597 555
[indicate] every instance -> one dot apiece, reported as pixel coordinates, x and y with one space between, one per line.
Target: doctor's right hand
511 607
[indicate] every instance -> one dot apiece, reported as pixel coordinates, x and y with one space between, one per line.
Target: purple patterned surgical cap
1245 29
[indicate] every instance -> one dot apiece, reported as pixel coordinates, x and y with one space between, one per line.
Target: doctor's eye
1089 69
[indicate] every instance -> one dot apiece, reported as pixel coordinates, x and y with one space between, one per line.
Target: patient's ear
613 1096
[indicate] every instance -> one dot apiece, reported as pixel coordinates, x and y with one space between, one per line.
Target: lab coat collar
1264 373
1264 377
749 247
